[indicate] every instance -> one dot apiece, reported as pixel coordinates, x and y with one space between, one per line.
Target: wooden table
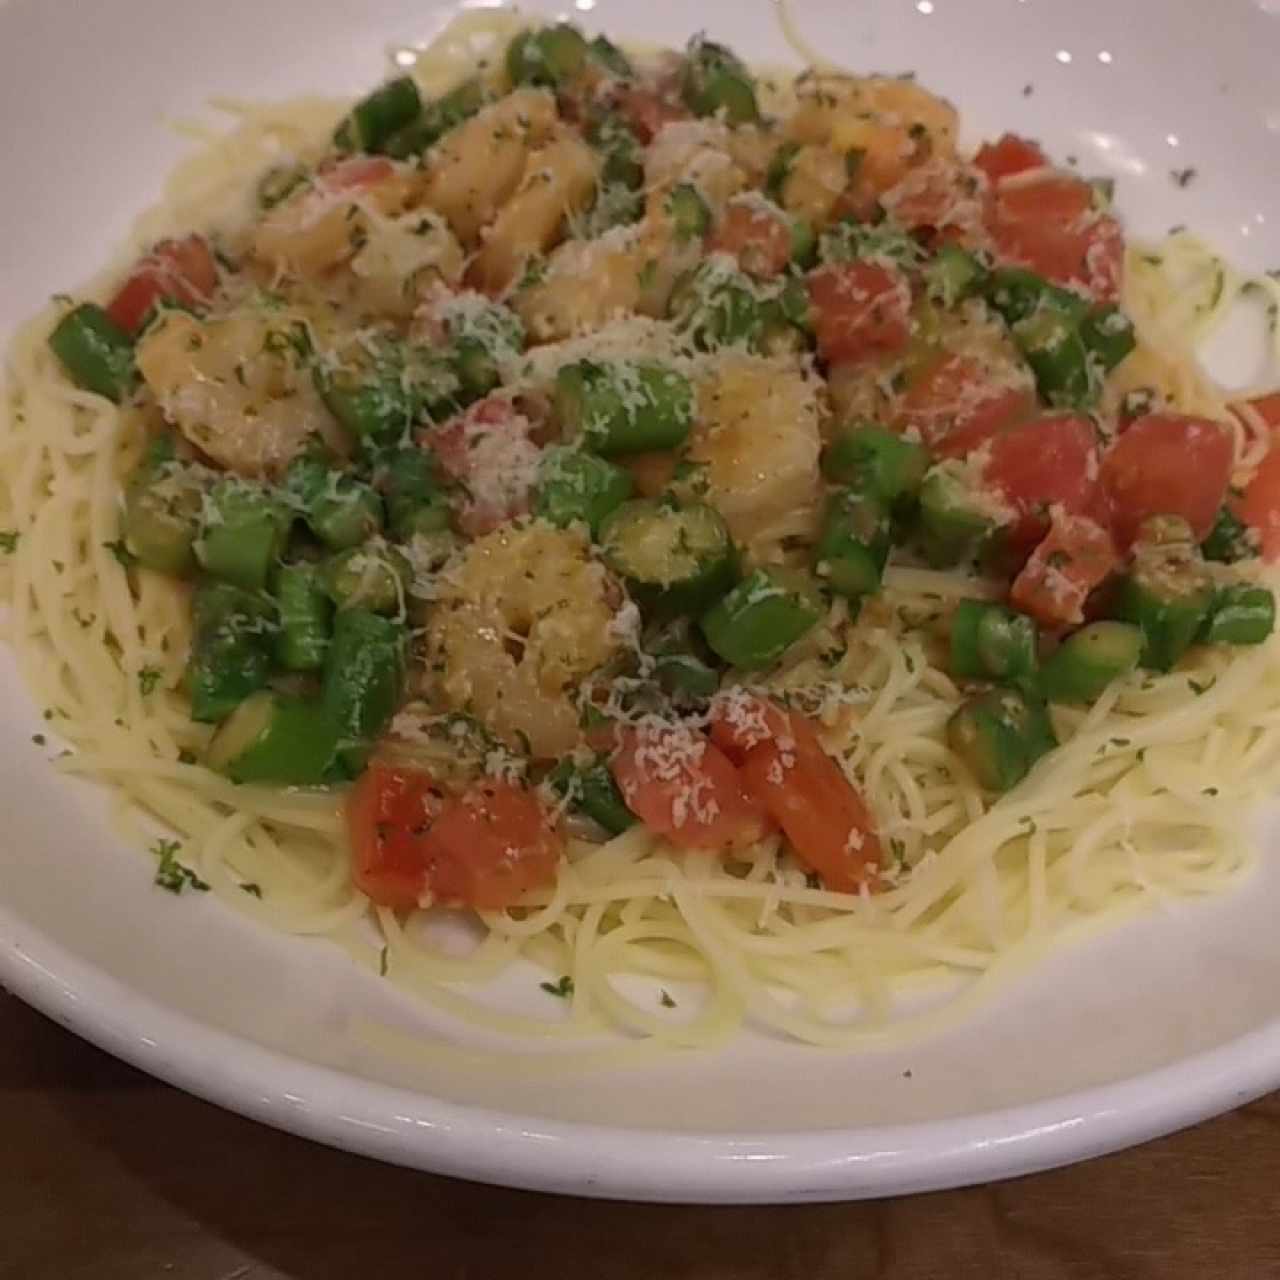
106 1174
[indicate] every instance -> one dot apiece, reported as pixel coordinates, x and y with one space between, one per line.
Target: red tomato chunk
1167 464
801 787
682 786
1009 155
1076 556
758 239
957 405
860 310
412 842
177 271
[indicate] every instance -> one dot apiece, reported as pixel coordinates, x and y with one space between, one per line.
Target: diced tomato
1051 227
410 841
741 721
1260 506
490 846
1009 154
1167 464
760 240
859 310
940 195
1047 461
490 450
388 810
1268 409
1259 418
647 110
1075 556
681 785
801 787
181 271
956 406
1104 259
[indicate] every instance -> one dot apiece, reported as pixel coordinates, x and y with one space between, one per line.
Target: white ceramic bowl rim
1192 1026
613 1162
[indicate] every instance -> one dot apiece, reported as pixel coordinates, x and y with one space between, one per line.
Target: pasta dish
703 532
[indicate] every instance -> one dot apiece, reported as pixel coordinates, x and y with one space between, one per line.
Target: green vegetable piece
850 240
779 170
306 618
611 58
1229 540
1108 335
546 56
244 532
163 500
762 617
279 183
575 486
1051 343
690 215
675 559
435 120
415 502
1241 614
383 397
364 679
373 577
952 522
953 275
804 243
784 324
879 460
340 510
999 735
624 406
683 665
476 369
275 740
715 82
1017 293
853 546
1167 593
614 138
429 520
389 108
990 642
96 353
231 652
715 306
1088 661
592 790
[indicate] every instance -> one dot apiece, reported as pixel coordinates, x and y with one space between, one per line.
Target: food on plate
680 520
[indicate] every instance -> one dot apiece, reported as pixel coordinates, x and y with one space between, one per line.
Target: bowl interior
1136 91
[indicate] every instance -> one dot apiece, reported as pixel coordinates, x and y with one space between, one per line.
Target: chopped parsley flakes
172 874
122 553
563 988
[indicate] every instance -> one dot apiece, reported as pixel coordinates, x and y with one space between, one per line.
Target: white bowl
1158 1023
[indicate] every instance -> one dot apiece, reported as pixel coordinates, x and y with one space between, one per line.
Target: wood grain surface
106 1174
